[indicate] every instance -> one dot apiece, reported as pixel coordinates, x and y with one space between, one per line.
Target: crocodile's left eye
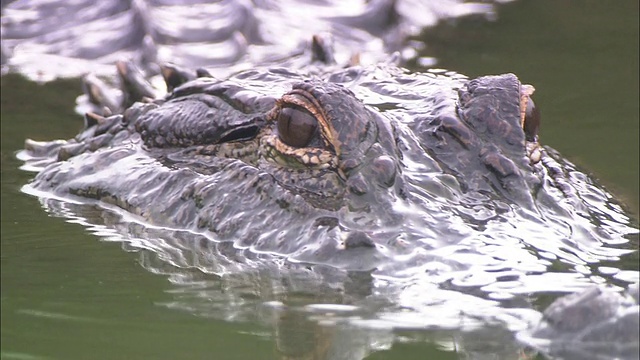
531 121
296 126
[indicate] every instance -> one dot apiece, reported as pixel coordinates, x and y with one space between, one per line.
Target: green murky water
68 295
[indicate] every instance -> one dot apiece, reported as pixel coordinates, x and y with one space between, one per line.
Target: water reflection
319 312
44 39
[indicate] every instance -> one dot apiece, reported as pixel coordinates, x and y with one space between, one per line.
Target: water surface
69 294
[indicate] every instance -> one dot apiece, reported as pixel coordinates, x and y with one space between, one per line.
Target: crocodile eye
531 121
296 126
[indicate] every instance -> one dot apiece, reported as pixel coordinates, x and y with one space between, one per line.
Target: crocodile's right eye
531 121
296 126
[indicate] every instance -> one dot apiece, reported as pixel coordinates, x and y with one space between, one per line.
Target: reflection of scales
316 314
227 36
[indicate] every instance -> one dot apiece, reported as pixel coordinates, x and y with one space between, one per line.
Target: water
66 294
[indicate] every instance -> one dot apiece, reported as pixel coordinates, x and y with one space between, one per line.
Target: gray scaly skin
210 148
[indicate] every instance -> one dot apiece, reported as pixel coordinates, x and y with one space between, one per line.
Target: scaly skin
210 145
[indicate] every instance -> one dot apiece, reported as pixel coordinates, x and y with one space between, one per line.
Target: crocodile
358 168
239 161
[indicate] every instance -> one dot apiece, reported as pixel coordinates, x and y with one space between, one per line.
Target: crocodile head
320 141
305 165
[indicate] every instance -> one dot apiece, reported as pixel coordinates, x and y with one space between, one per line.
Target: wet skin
320 156
318 139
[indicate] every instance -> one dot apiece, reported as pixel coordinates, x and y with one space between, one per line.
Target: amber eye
531 121
296 126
